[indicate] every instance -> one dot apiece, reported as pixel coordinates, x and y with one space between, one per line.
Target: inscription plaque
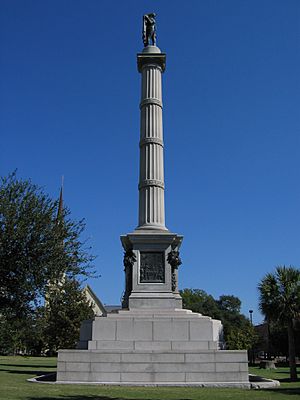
152 268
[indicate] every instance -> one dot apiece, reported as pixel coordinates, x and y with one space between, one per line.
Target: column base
142 300
152 286
150 227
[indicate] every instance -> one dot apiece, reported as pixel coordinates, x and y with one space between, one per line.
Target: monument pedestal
153 347
150 274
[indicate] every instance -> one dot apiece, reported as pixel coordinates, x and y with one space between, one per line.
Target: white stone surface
152 366
114 344
151 329
202 357
170 330
154 346
151 49
151 183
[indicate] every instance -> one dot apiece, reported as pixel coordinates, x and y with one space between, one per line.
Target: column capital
158 59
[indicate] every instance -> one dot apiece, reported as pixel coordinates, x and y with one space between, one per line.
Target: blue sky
69 105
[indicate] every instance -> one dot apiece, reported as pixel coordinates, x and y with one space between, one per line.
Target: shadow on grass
291 391
79 397
49 377
286 390
22 372
288 380
23 369
284 372
28 365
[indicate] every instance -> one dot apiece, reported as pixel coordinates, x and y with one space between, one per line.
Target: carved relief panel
152 267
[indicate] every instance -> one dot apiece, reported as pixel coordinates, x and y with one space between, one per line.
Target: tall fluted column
151 252
151 65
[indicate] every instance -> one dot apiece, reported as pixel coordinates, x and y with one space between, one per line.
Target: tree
22 335
236 325
241 338
35 248
279 301
199 301
66 307
50 327
229 303
238 332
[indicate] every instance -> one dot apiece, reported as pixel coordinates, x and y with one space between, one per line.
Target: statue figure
149 31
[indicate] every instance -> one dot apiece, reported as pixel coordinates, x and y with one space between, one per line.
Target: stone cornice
158 59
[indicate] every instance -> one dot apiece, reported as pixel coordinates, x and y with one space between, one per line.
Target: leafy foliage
279 301
40 248
19 335
238 332
241 338
34 247
279 294
199 301
48 328
65 309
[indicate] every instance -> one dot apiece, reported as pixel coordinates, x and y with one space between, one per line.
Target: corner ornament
174 260
128 261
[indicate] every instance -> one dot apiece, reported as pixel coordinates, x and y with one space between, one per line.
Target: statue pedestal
153 347
151 280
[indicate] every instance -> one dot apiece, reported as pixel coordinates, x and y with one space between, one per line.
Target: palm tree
279 300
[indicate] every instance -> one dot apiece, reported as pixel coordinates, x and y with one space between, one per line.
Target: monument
152 340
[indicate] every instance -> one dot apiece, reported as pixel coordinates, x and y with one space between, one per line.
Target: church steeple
60 203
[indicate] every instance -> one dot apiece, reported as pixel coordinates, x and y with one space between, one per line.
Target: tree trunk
292 352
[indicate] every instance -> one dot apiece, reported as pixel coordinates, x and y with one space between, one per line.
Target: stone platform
160 368
153 347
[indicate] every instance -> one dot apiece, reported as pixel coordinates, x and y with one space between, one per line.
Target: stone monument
152 340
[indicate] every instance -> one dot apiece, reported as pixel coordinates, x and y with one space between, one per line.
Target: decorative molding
128 261
151 101
174 281
174 259
151 182
154 140
157 60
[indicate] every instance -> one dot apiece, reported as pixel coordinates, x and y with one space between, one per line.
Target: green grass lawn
15 370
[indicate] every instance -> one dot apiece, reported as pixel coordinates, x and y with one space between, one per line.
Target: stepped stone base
153 347
206 368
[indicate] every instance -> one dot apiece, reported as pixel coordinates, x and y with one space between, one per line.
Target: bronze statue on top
149 31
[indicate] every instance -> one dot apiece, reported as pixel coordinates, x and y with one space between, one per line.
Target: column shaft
151 182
